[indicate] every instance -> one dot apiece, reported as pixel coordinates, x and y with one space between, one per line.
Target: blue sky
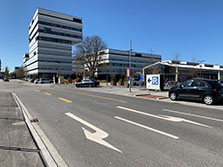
193 29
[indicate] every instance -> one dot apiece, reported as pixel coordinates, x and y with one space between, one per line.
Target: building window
59 26
138 55
54 40
77 20
48 31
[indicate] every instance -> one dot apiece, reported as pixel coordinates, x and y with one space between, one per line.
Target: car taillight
215 90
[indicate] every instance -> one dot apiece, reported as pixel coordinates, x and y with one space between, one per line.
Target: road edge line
47 150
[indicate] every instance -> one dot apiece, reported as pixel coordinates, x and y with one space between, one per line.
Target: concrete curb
48 152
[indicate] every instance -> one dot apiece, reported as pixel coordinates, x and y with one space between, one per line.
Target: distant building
51 36
177 71
115 63
18 72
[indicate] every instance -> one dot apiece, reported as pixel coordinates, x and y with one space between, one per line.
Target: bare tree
6 71
88 51
176 56
20 73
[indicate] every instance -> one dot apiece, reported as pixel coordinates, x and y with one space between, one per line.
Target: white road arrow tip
176 119
97 137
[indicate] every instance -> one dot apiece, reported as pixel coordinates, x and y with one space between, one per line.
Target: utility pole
130 64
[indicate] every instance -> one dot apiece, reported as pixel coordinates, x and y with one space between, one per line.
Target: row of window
53 40
54 47
74 19
133 61
59 26
58 69
53 53
48 31
51 69
51 61
134 55
125 65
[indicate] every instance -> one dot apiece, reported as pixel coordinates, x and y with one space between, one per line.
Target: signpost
153 81
129 72
130 66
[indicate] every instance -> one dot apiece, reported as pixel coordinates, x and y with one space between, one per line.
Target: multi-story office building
115 62
51 36
77 66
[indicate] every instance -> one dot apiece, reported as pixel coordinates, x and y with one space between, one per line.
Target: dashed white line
164 117
194 115
148 128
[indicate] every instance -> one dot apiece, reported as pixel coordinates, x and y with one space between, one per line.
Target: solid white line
164 117
140 112
146 127
48 151
194 115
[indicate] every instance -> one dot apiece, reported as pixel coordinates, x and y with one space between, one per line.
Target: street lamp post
130 64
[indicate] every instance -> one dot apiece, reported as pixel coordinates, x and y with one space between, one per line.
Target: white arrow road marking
146 127
176 119
164 117
194 115
97 136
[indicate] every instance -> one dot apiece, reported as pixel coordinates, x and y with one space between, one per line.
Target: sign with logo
141 77
153 81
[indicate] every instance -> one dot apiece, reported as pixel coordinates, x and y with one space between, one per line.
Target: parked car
135 82
42 80
6 79
169 84
31 80
208 91
87 83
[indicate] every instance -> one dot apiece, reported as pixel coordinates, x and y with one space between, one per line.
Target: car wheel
208 99
173 96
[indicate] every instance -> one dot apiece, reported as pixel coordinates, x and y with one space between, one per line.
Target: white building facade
115 62
77 66
51 36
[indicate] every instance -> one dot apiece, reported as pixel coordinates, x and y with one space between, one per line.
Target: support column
176 75
219 75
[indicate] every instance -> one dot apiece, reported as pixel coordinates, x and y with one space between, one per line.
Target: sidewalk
135 91
17 147
146 94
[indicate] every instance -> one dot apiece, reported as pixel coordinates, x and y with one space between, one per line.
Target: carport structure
177 71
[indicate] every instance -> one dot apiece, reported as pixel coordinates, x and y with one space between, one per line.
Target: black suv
208 91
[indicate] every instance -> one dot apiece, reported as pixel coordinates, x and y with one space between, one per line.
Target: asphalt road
91 129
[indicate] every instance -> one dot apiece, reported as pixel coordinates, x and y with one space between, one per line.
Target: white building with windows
77 66
115 62
51 36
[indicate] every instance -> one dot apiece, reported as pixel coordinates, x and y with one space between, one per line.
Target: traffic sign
129 72
153 81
